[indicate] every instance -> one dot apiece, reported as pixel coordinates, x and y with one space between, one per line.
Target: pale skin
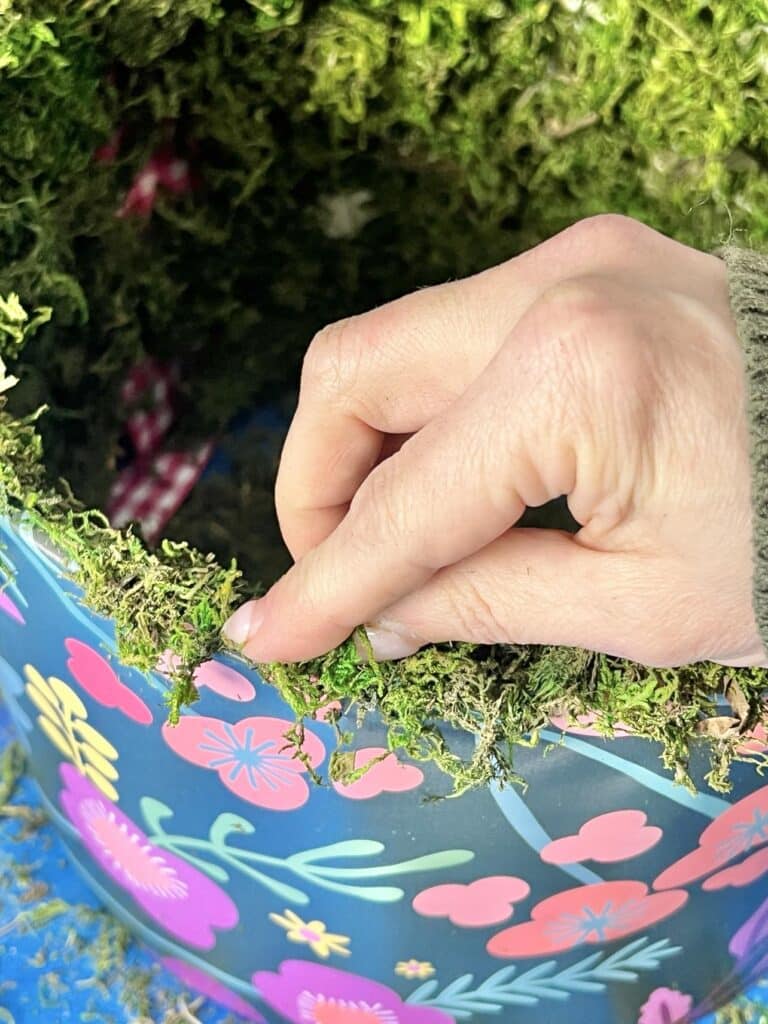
602 365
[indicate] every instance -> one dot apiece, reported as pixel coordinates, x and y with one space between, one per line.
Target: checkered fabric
156 481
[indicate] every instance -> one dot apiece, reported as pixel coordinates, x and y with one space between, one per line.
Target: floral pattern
607 838
587 914
312 934
419 969
205 985
97 677
219 678
483 902
385 775
253 758
665 1006
175 895
9 607
63 719
306 993
737 831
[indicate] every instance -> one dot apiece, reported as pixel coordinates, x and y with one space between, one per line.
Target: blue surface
48 973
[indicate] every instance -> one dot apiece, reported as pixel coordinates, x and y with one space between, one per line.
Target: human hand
602 365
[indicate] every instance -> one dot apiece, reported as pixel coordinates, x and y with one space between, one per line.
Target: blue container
604 894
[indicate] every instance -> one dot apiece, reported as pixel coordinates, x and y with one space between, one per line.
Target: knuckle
332 360
469 608
375 511
603 234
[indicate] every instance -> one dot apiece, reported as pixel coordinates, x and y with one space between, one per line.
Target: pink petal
748 871
98 678
9 607
225 681
387 776
483 902
606 838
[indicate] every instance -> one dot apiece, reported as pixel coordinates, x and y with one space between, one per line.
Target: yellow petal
92 737
57 737
42 703
37 680
100 763
101 783
67 698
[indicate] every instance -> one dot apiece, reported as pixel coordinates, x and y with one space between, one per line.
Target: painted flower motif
588 914
97 677
252 757
9 607
387 775
63 719
665 1006
417 970
312 933
736 831
180 898
205 985
606 839
483 902
223 680
755 742
307 993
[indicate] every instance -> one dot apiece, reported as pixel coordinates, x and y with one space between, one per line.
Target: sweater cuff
748 288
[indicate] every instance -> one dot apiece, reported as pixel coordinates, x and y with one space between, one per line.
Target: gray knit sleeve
748 288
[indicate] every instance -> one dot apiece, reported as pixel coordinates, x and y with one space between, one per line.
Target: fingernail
241 626
388 645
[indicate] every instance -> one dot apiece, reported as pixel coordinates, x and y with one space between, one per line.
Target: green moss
478 127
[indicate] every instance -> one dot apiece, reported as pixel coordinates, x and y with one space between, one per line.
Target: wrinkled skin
602 365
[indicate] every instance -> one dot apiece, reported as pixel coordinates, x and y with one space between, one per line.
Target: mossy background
478 127
454 133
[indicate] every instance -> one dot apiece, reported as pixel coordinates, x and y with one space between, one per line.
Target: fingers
453 488
528 587
388 372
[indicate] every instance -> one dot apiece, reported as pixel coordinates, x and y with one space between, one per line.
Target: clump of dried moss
499 697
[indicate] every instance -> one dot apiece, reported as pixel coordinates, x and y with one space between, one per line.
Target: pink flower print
97 677
585 726
745 873
214 675
588 914
252 757
177 896
309 993
755 742
107 153
9 607
607 838
739 829
483 902
665 1006
205 985
385 776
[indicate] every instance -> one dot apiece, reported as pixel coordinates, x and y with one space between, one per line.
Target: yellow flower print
63 719
312 933
414 969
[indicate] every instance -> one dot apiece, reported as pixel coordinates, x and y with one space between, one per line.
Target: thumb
530 586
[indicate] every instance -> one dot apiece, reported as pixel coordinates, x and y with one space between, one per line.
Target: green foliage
477 128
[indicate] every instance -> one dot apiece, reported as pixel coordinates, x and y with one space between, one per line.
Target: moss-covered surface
341 153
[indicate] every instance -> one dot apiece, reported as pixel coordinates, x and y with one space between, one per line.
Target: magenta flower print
200 982
10 608
665 1006
588 914
97 677
181 899
252 757
308 993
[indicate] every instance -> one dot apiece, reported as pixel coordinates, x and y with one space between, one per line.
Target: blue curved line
159 942
526 824
703 803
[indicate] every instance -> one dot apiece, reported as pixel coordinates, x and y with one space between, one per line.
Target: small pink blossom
99 679
386 776
483 902
665 1006
607 838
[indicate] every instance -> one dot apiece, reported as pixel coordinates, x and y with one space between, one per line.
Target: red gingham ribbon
151 489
